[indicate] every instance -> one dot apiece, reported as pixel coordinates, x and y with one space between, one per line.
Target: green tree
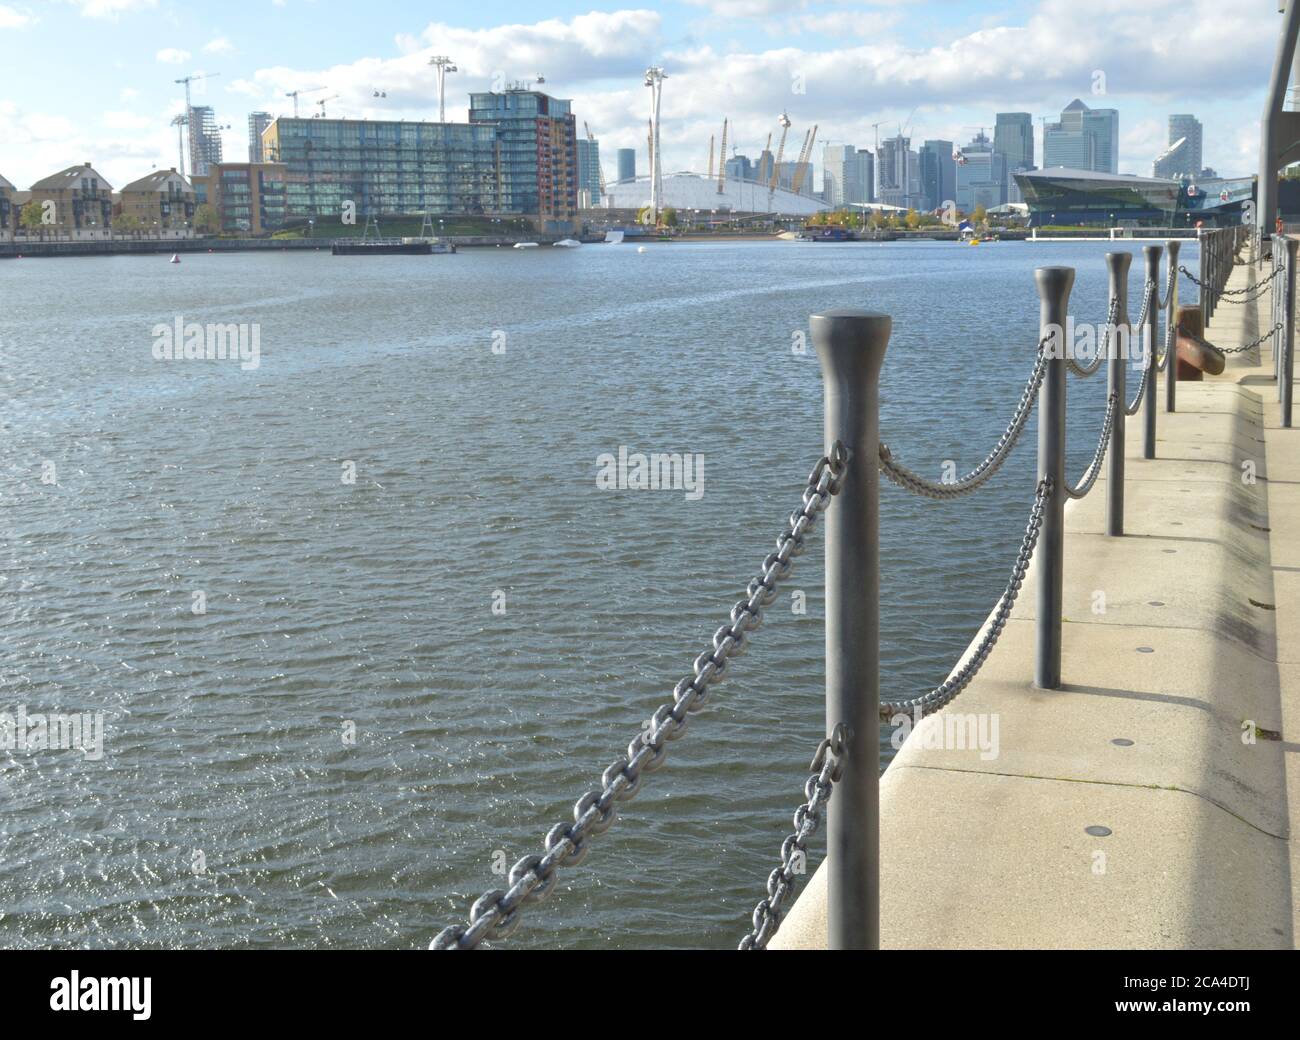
127 224
980 215
30 217
668 217
912 220
206 220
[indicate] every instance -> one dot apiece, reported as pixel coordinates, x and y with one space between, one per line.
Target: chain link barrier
1228 295
826 771
1253 343
962 677
1083 371
1099 456
909 480
496 914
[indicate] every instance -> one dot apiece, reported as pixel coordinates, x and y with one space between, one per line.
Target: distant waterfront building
161 202
627 164
589 170
1084 139
537 153
1013 139
250 198
83 202
205 140
693 191
1086 197
848 175
1183 156
257 122
981 175
388 168
899 172
938 174
739 167
9 210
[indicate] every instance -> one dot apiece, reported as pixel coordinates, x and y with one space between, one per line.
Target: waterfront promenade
1151 802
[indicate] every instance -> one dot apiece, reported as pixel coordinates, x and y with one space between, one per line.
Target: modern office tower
387 168
257 122
537 153
981 175
840 175
938 174
1184 161
899 171
589 169
1013 138
1084 139
740 168
627 164
205 140
763 168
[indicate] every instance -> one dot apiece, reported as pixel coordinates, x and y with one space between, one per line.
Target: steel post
1288 331
1054 284
1149 331
1117 264
851 347
1171 323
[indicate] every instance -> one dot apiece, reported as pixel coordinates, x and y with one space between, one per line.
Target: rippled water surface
329 603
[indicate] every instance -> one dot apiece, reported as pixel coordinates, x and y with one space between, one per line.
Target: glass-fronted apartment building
250 198
383 168
537 154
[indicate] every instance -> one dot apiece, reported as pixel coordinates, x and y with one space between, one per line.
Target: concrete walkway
1150 802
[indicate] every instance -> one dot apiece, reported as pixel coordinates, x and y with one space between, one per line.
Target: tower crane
187 80
722 160
321 104
180 122
805 160
784 123
710 157
295 94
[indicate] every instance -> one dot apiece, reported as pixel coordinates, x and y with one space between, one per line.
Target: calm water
370 603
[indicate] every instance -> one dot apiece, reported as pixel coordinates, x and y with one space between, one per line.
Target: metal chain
533 878
1132 409
1148 296
1099 456
1169 288
1086 370
1253 343
826 772
909 480
1257 288
1171 329
952 686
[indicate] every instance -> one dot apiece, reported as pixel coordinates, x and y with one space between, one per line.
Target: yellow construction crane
784 123
710 157
296 93
722 160
805 160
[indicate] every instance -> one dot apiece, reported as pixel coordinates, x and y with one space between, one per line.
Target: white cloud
220 45
12 18
173 56
111 8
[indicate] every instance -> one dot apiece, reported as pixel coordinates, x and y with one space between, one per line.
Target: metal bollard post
1275 296
1117 264
1149 331
1288 332
1054 284
851 347
1203 277
1171 322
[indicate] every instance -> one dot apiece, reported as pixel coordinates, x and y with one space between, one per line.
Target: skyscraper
938 174
627 164
899 172
257 122
1184 161
981 175
1084 139
205 140
847 175
589 169
1013 138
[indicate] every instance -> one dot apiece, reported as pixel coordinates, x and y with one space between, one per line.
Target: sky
94 80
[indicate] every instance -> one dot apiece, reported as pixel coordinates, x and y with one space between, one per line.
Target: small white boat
176 258
567 243
640 249
525 245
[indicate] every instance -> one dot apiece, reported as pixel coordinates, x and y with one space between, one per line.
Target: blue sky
93 79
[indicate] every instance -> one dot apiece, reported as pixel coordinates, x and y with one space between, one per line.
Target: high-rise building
1013 139
981 175
627 164
1183 156
1084 139
589 170
537 153
938 174
382 168
847 175
899 172
257 122
741 168
205 140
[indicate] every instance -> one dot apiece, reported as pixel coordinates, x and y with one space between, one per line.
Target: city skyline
892 64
